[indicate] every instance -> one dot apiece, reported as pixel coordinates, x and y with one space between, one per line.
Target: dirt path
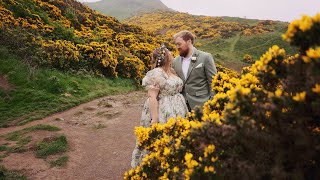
95 153
234 42
4 84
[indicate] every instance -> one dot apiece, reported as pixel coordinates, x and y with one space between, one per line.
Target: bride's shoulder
154 76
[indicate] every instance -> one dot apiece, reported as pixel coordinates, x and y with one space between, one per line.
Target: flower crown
162 53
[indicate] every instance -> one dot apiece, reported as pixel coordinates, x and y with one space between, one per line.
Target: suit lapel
192 63
179 68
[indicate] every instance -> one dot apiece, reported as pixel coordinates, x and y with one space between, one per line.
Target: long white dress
171 103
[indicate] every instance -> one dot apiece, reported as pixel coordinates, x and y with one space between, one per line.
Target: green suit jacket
197 84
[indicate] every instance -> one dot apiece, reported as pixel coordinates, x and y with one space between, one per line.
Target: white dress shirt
185 66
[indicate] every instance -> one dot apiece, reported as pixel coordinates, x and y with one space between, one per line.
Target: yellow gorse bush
211 27
68 35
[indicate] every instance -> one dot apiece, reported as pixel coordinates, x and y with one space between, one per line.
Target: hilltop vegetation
65 34
227 39
122 9
55 55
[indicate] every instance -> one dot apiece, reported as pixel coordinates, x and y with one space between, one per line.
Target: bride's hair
160 56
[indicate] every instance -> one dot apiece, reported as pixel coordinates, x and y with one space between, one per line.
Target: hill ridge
122 9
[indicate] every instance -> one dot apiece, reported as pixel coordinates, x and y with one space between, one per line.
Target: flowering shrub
263 124
67 35
260 28
202 26
248 59
302 32
131 67
59 54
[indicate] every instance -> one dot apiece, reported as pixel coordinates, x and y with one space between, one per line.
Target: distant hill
228 39
122 9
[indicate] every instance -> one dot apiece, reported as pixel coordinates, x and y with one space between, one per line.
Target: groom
196 69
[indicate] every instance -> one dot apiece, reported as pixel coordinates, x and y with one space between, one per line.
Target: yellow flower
316 18
254 99
268 114
299 97
214 159
178 142
208 169
144 175
316 89
306 59
188 156
278 93
200 159
305 23
166 151
209 149
211 169
164 177
175 169
284 110
245 91
131 171
313 53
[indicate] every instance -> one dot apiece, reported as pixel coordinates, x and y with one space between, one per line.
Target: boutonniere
193 59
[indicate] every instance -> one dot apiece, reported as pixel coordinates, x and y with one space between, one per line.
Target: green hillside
67 35
228 39
229 52
57 54
32 94
122 9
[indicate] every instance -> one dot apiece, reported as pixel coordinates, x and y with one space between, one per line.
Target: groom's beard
184 53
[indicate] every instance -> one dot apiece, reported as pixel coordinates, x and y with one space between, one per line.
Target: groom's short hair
185 35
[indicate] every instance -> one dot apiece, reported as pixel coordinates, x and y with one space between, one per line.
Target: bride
164 98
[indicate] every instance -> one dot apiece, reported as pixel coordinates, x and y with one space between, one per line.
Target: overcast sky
284 10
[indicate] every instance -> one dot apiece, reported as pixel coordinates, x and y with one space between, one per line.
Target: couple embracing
175 86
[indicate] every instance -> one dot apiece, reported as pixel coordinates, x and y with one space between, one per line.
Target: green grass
13 136
6 174
251 22
38 93
44 127
17 135
17 149
43 149
229 52
3 148
23 141
60 162
55 146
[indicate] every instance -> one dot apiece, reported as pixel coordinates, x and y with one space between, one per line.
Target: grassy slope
126 8
47 91
229 52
